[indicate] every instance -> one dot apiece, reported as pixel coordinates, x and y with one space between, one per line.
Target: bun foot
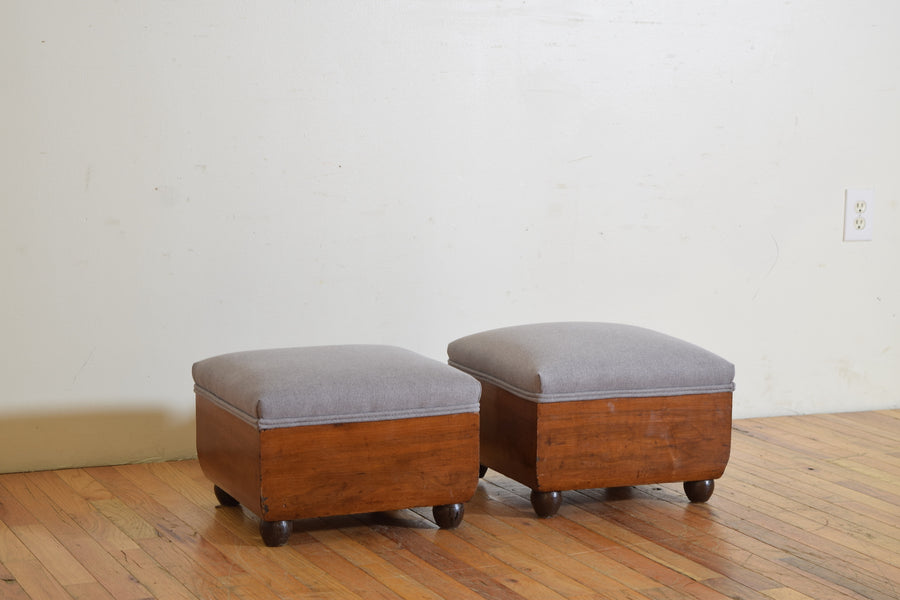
276 533
699 491
545 504
224 498
448 516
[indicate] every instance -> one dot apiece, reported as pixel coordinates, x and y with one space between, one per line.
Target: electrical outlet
858 215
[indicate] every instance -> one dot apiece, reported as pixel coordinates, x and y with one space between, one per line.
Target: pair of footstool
318 431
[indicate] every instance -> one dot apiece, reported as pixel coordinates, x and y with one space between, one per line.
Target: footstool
568 406
331 430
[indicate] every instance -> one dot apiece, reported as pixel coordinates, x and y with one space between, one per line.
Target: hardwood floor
808 508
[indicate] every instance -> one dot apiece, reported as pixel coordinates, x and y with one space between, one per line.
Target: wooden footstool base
568 406
313 432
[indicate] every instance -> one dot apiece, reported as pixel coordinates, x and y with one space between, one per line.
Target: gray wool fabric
315 385
552 362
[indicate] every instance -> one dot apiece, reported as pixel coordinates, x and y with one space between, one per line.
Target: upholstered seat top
313 385
551 362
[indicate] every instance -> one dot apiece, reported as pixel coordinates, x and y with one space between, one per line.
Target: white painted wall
182 179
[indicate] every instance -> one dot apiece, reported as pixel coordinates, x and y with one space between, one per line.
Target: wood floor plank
88 591
565 553
827 442
357 580
195 577
855 430
704 550
874 468
10 589
500 575
787 594
599 559
84 485
125 519
23 572
184 542
795 542
822 497
174 546
808 508
103 566
320 581
76 510
630 554
390 574
160 582
526 554
838 527
64 567
35 581
448 563
807 471
226 529
756 556
674 570
392 536
733 545
41 543
577 567
656 561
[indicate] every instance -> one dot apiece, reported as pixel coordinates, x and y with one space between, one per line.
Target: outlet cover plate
858 207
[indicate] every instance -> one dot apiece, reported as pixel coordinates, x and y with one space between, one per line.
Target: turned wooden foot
224 498
276 533
481 471
699 491
448 516
545 504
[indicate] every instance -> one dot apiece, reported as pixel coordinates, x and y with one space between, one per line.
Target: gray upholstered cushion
551 362
333 384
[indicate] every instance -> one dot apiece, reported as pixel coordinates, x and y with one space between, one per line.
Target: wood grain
323 470
349 468
802 512
605 443
228 450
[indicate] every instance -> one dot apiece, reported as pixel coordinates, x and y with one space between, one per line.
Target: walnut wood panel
351 468
508 434
321 470
228 450
605 443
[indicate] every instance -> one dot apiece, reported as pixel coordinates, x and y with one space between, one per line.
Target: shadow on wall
79 439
